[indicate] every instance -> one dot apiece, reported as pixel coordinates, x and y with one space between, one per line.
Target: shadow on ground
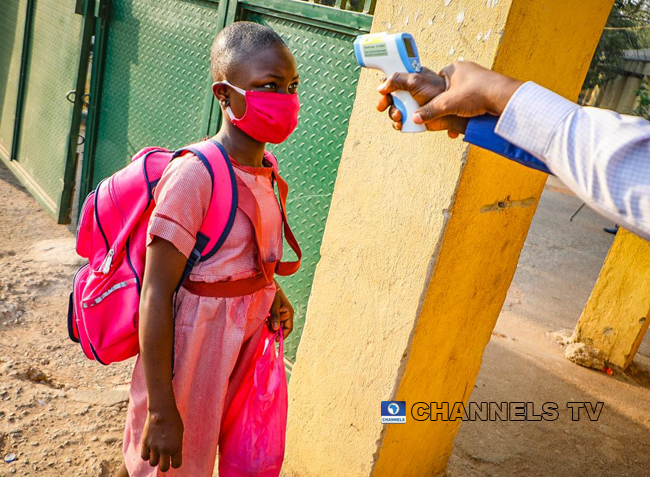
558 267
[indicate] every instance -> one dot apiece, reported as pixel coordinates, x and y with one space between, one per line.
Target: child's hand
162 439
281 313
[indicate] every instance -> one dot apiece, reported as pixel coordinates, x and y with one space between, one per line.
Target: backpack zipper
108 260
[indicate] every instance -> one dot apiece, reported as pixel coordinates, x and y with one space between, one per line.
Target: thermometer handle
403 101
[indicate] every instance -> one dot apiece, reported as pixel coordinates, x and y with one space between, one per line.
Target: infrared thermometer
393 53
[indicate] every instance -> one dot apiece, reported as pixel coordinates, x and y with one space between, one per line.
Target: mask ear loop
239 90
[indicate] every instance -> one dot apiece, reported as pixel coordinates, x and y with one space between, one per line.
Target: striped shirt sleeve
182 198
604 157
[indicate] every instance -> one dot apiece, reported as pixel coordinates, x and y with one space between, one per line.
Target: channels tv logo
393 412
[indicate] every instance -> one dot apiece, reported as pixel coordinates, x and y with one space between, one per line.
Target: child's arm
162 437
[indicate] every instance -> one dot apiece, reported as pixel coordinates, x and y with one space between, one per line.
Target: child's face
272 69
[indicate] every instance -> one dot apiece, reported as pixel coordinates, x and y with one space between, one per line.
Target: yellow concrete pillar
421 243
615 318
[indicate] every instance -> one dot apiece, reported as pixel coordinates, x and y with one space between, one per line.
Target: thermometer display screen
410 51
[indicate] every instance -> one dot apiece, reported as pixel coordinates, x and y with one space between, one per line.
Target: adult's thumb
434 109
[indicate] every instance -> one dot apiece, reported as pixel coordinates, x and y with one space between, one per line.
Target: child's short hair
237 42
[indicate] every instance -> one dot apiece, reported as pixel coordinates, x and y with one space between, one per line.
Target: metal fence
150 85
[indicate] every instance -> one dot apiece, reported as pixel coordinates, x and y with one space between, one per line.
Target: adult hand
423 86
471 90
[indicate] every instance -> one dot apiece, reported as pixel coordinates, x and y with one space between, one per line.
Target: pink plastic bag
254 427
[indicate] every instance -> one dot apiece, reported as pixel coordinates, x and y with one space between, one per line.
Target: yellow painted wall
615 318
550 42
413 274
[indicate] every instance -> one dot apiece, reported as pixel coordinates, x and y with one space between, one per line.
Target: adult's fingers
395 114
164 462
385 100
453 124
177 460
397 82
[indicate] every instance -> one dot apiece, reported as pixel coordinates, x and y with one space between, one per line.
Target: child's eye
271 86
293 88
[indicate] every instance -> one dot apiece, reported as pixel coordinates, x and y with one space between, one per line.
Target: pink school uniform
215 337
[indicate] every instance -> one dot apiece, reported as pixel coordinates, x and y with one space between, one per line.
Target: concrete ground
558 267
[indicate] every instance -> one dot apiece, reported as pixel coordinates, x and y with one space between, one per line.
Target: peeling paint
447 2
478 37
406 20
452 51
460 18
486 37
507 204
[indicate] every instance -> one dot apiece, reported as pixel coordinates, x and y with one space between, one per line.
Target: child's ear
222 94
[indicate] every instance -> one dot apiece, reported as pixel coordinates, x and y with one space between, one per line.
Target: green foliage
624 31
643 95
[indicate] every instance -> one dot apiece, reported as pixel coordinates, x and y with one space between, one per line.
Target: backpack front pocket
110 319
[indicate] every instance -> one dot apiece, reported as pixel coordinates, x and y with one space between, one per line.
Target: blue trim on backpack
233 207
71 319
151 185
128 260
235 196
99 224
92 350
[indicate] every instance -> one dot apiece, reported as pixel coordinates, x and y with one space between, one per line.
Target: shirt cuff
531 117
167 229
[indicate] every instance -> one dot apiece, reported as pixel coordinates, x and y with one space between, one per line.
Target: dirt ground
63 415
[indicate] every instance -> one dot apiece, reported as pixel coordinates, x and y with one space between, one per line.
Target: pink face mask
269 117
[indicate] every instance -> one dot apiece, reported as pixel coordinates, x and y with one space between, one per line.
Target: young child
173 425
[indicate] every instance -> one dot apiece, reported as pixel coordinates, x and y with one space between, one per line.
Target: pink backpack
112 232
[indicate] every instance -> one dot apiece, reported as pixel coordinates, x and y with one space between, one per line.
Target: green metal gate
151 86
44 46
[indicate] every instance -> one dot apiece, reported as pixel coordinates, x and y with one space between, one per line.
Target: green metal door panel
156 73
309 159
51 73
12 27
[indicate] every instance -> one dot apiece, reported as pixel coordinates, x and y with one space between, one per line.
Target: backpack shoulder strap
220 216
